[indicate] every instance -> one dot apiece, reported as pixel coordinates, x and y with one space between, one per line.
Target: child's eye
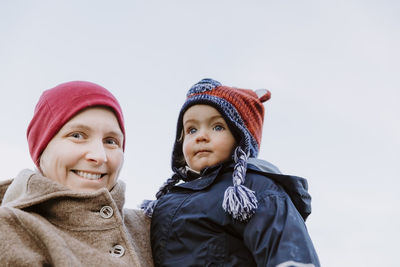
191 130
219 128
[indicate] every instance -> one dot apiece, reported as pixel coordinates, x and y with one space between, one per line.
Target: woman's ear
39 165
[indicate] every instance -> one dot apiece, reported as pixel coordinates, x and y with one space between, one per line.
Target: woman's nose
96 153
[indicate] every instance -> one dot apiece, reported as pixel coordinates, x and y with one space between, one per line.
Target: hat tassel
239 201
148 207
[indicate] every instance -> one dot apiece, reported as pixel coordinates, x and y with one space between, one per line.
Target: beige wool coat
43 223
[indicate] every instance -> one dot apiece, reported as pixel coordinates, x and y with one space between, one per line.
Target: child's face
207 138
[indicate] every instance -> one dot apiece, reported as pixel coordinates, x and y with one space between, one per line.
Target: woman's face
86 154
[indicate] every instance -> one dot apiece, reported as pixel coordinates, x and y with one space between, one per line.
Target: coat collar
60 205
206 178
296 187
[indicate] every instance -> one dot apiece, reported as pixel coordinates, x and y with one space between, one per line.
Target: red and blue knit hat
243 111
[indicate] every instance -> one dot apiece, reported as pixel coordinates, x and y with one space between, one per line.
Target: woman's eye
111 141
76 135
219 128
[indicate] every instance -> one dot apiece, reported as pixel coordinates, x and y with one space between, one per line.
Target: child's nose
202 136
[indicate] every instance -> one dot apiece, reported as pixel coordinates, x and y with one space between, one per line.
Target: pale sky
332 67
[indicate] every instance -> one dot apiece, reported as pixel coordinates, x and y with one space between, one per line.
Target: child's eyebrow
213 118
216 117
189 121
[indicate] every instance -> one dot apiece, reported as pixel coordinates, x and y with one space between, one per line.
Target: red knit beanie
58 105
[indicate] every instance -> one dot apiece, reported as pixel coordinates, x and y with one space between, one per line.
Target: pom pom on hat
58 105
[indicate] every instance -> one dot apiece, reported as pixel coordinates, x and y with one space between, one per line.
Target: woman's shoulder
138 227
14 217
7 217
137 218
3 188
12 223
17 244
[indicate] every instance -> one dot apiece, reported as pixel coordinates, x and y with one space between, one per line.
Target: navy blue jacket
190 228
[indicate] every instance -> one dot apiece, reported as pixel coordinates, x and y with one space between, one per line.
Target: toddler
223 206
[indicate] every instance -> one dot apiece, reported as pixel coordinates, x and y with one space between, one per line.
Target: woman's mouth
88 175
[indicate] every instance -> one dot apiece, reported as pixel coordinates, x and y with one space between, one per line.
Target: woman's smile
89 175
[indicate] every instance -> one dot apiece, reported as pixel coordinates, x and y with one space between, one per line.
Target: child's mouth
200 152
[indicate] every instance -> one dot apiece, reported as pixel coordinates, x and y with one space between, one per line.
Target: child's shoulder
262 165
266 179
261 169
261 177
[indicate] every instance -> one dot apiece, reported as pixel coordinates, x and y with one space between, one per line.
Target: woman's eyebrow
79 126
118 134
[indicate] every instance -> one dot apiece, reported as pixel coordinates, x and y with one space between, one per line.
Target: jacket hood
296 187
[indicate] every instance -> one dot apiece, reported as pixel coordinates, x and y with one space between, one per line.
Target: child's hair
243 111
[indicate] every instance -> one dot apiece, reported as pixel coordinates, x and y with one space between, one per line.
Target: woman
69 212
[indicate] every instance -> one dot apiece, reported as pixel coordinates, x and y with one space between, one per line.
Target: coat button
117 251
106 212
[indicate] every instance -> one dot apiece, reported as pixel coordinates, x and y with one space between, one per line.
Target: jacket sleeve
276 235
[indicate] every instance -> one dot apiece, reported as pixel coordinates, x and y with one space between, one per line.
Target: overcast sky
332 67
